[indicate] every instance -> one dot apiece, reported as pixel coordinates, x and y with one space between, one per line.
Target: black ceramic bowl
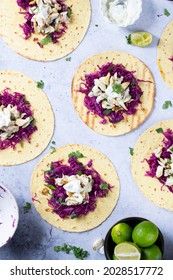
109 245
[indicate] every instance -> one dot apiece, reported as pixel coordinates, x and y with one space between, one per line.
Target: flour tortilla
165 52
42 113
129 123
14 37
151 187
104 205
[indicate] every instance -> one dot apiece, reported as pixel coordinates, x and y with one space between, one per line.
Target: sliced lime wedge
141 39
127 251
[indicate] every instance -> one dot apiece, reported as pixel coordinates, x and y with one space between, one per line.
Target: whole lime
121 232
152 252
145 234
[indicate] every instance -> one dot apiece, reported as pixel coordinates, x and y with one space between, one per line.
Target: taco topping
112 91
74 187
47 17
161 161
16 120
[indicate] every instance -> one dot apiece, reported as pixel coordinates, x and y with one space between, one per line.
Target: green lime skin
114 257
121 232
152 252
145 234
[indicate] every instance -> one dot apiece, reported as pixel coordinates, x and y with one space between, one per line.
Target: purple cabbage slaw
17 99
153 160
28 26
58 196
96 108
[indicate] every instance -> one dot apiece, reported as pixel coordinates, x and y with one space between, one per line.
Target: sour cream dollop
121 12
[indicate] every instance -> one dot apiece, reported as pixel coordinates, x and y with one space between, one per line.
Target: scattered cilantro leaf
159 130
68 59
69 12
104 186
46 40
117 88
76 154
78 252
79 172
131 151
51 187
27 207
171 149
107 111
53 149
167 104
128 38
166 13
40 84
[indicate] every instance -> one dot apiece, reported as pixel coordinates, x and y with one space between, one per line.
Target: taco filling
111 92
161 161
47 17
16 119
74 187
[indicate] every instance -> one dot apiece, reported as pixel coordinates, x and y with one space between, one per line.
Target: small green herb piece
53 143
68 59
131 151
27 207
73 215
51 187
117 88
76 154
79 172
46 40
159 130
166 13
53 149
40 84
167 104
128 38
169 161
69 12
78 252
107 111
171 149
104 186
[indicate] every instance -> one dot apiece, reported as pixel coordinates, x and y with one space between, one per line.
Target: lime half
141 39
127 251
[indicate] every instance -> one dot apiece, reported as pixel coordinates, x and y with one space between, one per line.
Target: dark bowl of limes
134 238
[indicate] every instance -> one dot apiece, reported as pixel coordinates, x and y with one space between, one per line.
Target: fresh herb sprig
27 207
78 252
167 104
76 154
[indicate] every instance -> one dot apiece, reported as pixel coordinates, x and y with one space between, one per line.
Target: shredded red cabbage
58 196
153 160
24 134
96 108
28 26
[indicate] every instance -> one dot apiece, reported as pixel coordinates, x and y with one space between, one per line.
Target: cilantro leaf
107 111
40 84
167 104
131 151
117 88
46 40
51 187
128 38
27 207
76 154
104 186
69 12
53 149
68 59
78 252
166 13
159 130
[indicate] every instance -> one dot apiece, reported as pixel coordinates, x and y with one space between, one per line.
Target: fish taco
113 92
44 30
152 164
75 188
165 55
26 118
